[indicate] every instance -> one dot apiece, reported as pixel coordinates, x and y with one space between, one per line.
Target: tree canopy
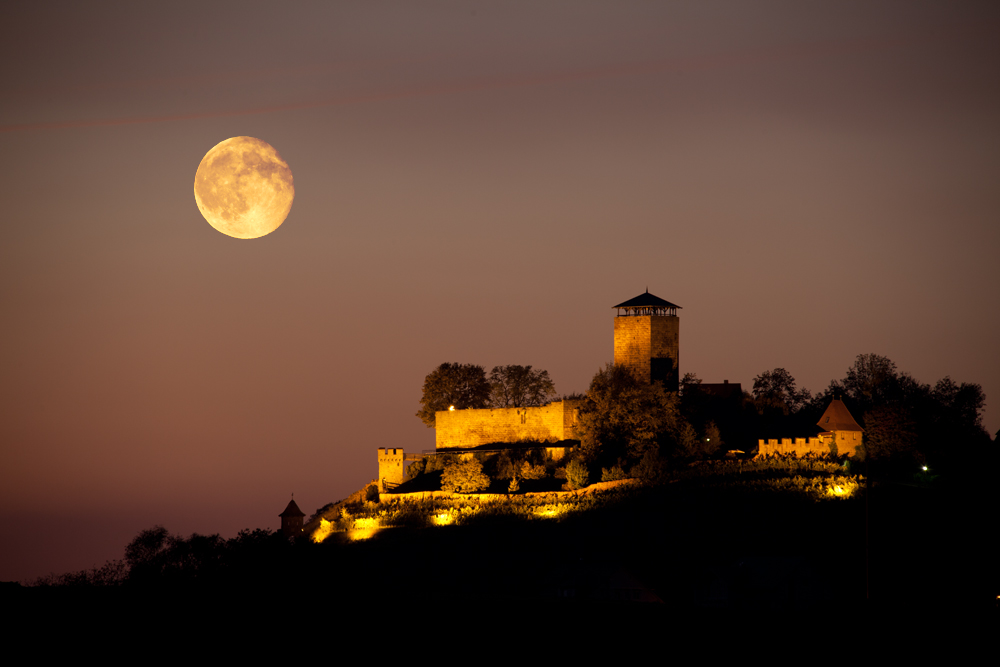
465 386
872 380
464 477
624 417
776 389
461 385
519 386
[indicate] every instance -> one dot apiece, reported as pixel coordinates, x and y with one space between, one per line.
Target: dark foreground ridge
715 537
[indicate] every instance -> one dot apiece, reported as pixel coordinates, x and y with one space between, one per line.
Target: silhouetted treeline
907 424
155 558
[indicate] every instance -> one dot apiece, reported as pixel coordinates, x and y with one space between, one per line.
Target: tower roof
292 510
647 304
838 418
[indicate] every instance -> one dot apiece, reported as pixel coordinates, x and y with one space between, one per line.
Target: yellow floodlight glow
443 519
842 489
451 408
550 511
322 531
364 528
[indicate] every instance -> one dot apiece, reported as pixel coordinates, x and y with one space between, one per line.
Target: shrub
416 469
503 466
650 469
529 471
464 477
612 474
514 486
577 474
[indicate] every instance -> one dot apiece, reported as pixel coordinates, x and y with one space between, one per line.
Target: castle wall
650 346
847 441
796 446
472 428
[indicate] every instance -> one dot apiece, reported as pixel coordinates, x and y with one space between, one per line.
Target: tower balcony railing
637 311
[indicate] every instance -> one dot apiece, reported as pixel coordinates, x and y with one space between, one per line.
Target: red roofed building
839 428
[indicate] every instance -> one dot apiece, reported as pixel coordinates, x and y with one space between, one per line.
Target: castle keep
647 339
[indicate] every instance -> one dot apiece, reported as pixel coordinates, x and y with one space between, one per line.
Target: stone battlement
796 446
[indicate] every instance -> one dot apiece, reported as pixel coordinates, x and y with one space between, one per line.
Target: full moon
243 188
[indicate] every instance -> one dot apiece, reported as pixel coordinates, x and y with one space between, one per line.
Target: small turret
291 519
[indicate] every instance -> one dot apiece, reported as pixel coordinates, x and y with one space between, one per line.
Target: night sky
475 183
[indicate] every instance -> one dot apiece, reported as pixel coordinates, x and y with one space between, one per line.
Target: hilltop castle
647 340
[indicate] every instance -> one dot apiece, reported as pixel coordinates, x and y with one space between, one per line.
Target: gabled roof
648 304
838 418
292 510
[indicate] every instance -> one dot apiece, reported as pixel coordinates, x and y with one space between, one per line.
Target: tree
464 477
871 381
689 382
519 386
890 433
624 418
776 389
961 405
460 385
145 554
953 425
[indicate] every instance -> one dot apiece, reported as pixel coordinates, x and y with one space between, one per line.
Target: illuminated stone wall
650 346
847 443
472 428
796 446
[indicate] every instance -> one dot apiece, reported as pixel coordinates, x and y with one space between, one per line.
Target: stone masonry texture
471 428
650 346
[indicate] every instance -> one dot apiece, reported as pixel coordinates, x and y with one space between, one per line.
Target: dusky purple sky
476 183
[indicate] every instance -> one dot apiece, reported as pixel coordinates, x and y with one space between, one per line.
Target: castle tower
391 468
291 519
647 339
